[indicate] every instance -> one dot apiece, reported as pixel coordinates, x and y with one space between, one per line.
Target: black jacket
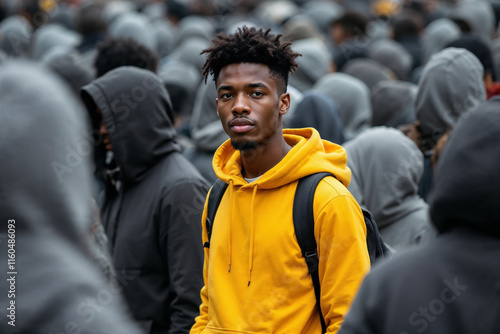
46 213
451 285
153 200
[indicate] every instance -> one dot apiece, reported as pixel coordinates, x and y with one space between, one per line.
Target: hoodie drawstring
252 235
230 244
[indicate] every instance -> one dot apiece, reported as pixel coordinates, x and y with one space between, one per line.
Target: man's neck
257 161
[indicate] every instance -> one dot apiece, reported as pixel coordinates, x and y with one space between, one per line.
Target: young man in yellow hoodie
256 279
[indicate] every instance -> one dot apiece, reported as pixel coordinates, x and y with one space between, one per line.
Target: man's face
250 105
103 131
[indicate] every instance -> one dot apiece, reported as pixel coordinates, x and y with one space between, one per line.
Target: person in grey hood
353 99
370 71
393 103
315 62
318 111
451 86
153 200
45 209
206 130
452 284
386 167
15 36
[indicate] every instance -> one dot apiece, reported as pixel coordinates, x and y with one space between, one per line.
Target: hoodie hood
466 183
15 32
317 111
206 128
478 14
314 63
353 99
437 35
309 154
135 107
386 169
53 36
451 85
393 103
392 55
370 71
135 26
45 189
194 26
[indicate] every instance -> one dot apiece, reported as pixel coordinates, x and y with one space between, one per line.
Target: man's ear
284 104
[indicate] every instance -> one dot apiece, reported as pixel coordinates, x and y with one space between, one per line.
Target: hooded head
392 55
353 99
437 35
45 190
135 26
466 180
478 15
386 168
15 36
450 86
393 103
317 111
134 106
315 62
370 71
51 36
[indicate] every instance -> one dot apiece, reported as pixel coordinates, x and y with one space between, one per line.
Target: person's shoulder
329 187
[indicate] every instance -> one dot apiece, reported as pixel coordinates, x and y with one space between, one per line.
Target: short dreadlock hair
251 45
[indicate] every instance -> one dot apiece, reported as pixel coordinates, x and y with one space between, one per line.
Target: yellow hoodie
256 280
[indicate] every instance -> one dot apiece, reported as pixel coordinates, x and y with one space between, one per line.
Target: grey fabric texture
135 26
48 180
393 56
478 14
466 180
393 103
437 35
314 63
352 97
53 36
16 35
451 85
370 71
386 168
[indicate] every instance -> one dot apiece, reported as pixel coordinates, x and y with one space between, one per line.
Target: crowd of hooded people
109 130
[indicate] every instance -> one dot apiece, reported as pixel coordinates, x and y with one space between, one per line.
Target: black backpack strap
216 193
303 222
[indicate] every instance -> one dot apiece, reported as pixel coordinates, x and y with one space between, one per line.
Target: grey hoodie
315 62
451 85
386 167
370 71
438 34
392 55
353 99
45 188
15 36
53 36
393 103
478 14
135 26
452 284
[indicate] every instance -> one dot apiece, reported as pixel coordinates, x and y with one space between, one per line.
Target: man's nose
241 104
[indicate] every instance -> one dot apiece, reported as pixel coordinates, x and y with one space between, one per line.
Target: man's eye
225 96
257 94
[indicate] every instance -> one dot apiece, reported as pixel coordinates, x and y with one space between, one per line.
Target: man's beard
244 146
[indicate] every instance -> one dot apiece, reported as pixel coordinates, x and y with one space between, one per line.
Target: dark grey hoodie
451 285
154 200
386 168
58 288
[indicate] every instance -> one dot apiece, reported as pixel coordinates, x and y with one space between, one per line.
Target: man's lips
241 125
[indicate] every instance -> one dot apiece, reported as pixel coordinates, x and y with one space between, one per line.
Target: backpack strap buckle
312 260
